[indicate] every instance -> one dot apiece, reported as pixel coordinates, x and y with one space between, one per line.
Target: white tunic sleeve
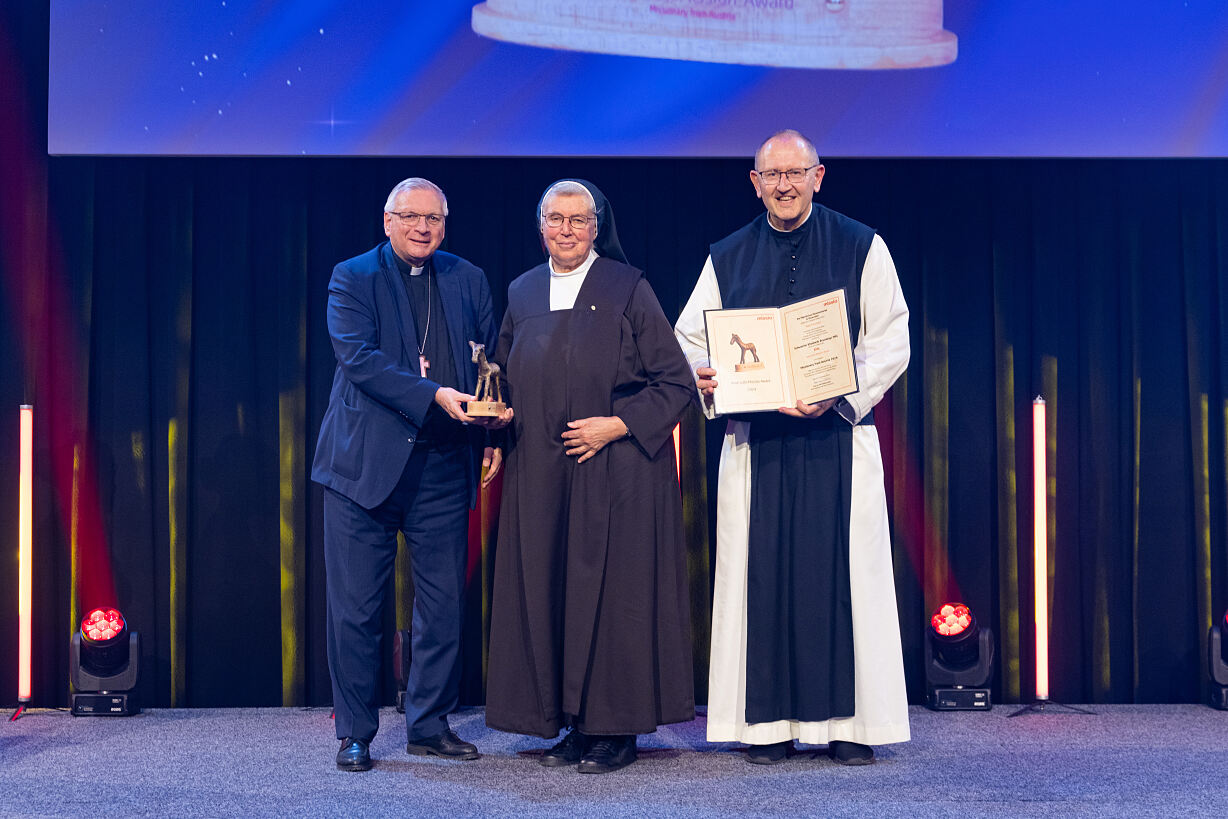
881 353
691 331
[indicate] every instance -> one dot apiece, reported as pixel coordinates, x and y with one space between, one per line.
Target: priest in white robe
805 633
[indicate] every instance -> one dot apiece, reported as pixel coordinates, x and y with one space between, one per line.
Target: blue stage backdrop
387 77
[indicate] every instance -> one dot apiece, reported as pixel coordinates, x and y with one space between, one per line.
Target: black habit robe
799 626
590 623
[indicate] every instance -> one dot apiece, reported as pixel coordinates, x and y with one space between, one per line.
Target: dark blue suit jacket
378 401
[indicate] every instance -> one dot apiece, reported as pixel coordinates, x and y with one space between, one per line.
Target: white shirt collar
583 268
799 224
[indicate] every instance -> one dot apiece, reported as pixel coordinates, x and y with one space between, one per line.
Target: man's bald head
784 137
786 177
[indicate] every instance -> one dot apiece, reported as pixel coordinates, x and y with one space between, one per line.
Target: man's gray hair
791 134
414 183
565 187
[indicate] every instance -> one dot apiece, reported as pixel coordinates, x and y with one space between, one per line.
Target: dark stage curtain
166 316
196 290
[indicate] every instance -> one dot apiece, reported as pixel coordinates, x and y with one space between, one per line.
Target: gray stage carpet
1155 760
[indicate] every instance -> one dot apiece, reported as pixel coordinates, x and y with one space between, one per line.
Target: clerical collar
800 225
408 269
582 269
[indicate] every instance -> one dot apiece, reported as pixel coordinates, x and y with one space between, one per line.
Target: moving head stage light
1217 663
958 660
103 666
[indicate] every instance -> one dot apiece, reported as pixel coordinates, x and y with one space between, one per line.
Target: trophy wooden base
485 409
754 365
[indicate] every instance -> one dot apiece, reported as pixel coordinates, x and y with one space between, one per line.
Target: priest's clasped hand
804 410
587 436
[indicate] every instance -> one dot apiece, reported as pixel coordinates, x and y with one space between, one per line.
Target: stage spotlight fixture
400 665
103 666
1217 663
958 660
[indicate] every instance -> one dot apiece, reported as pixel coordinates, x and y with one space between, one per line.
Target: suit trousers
430 505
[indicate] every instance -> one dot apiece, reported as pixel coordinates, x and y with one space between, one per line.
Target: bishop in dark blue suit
397 452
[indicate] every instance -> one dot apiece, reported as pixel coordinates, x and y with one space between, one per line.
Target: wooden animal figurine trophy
489 400
747 347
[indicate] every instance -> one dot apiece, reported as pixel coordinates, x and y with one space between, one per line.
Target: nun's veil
606 244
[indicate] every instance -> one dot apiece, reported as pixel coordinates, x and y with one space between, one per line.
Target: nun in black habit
590 624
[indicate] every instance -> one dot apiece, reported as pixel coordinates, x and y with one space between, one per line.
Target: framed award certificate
772 357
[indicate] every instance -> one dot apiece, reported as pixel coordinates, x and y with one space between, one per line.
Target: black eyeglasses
414 219
794 175
555 220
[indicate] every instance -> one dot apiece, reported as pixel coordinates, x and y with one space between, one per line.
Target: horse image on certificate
747 347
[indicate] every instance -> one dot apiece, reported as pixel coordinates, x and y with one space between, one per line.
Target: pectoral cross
423 365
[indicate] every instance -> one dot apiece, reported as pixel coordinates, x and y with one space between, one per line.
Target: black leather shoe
850 753
447 745
769 754
607 754
567 751
355 755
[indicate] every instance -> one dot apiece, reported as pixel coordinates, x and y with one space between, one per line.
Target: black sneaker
769 754
850 753
607 754
566 751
